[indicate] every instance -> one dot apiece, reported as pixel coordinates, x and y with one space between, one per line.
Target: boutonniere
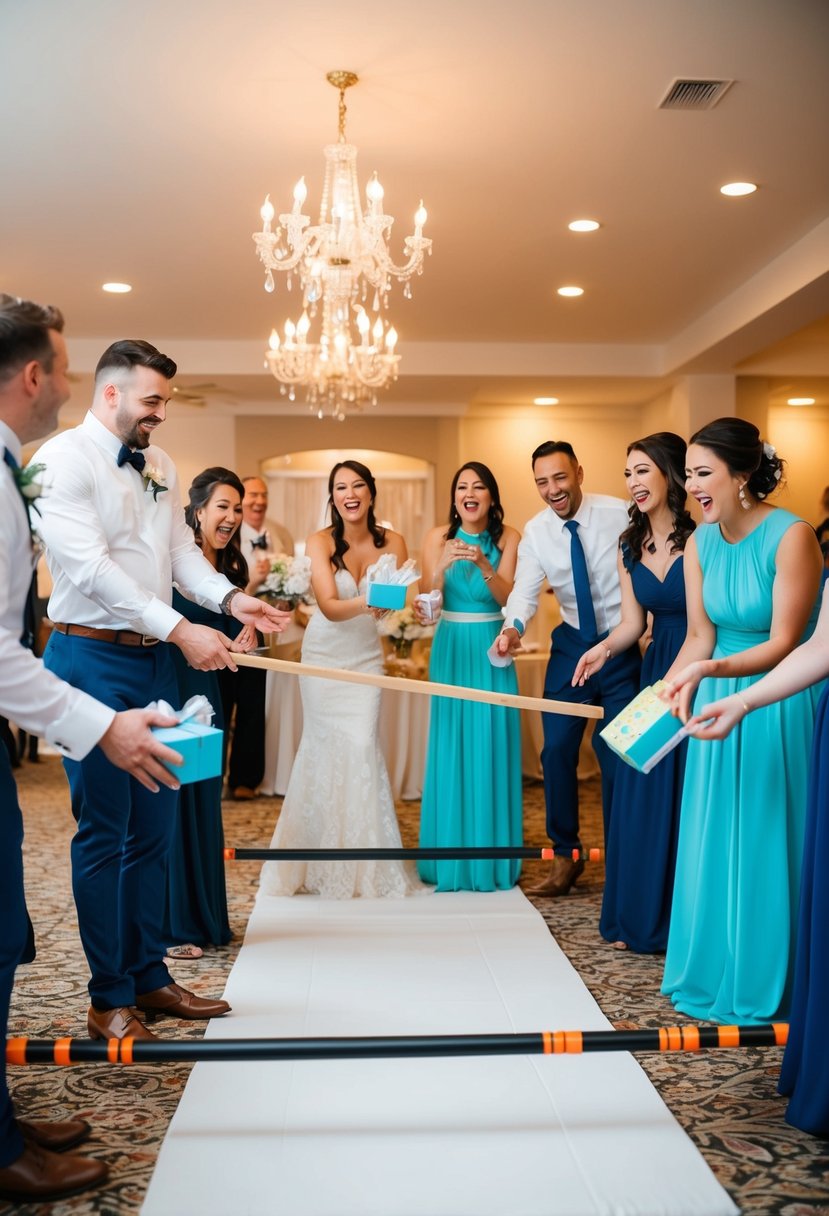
30 487
154 480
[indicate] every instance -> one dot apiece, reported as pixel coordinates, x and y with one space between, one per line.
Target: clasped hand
679 691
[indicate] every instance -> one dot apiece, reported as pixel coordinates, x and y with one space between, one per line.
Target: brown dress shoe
57 1137
40 1175
122 1023
243 793
177 1002
564 872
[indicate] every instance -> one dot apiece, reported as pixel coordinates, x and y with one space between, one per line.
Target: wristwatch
228 599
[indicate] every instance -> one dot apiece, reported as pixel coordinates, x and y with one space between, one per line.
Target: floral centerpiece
288 582
403 628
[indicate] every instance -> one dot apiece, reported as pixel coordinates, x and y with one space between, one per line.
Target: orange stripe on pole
113 1046
62 1047
573 1044
595 854
16 1051
126 1049
559 1046
690 1038
729 1036
781 1033
674 1038
229 854
547 1040
547 854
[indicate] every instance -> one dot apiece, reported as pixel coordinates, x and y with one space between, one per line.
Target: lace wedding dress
339 794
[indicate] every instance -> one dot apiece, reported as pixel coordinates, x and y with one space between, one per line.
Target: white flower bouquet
288 582
404 626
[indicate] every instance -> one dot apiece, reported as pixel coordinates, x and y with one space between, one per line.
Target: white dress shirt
278 540
30 695
113 548
544 552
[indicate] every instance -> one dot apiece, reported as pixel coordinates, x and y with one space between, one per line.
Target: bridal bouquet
288 582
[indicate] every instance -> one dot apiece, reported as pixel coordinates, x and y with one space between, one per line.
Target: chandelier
339 262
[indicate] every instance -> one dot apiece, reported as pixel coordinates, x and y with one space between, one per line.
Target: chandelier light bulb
290 330
421 216
273 341
374 191
302 327
363 322
377 331
267 211
300 193
391 339
340 342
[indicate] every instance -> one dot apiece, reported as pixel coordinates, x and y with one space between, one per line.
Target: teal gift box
644 731
386 595
200 746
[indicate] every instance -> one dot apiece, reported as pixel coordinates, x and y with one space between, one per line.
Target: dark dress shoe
564 872
177 1002
40 1175
57 1137
122 1023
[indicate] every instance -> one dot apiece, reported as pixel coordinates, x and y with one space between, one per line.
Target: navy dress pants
121 848
14 926
613 687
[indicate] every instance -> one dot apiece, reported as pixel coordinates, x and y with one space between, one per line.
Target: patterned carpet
727 1101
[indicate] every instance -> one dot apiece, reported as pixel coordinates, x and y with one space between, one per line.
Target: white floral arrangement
31 488
403 625
288 581
154 480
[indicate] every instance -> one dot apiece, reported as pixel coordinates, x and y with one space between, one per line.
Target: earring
743 497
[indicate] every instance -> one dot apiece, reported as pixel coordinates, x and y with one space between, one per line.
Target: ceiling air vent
694 94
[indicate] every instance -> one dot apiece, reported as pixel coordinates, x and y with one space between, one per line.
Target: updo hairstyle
738 444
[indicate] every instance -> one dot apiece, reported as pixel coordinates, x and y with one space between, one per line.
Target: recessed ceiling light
584 225
117 289
571 291
737 189
801 401
545 401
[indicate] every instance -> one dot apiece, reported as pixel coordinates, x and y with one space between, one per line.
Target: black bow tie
260 542
127 456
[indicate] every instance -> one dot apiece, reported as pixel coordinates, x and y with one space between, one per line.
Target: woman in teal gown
472 784
196 907
752 574
644 818
805 1074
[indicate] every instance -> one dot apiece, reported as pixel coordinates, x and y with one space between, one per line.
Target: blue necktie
128 456
28 637
581 582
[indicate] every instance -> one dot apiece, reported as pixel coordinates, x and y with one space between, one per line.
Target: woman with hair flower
752 573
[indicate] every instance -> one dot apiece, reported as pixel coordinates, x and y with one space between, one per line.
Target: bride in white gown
339 794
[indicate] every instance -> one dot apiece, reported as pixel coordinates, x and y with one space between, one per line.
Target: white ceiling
140 137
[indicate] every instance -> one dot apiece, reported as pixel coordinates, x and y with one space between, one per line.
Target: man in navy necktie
573 543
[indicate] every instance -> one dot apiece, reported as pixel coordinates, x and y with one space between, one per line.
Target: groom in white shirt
572 544
33 387
116 539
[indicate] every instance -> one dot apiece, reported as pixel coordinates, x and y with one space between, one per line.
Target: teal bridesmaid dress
472 784
734 915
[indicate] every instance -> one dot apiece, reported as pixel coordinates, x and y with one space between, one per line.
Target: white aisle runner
485 1136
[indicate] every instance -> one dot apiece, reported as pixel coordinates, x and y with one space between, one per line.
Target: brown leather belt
121 637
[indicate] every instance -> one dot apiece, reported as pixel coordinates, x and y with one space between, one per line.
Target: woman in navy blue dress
805 1073
196 912
644 818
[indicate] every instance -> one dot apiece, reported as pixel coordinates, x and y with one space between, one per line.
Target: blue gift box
386 595
644 731
200 746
